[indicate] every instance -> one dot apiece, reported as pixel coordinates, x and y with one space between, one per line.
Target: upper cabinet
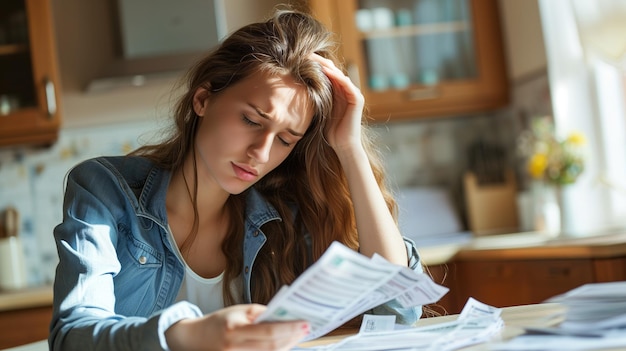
421 58
29 86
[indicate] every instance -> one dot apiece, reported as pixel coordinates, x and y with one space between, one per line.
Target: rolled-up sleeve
404 315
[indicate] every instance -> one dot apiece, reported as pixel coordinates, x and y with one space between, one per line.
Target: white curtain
582 40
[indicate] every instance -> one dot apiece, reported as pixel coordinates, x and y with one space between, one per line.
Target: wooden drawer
548 278
497 283
610 269
504 283
18 327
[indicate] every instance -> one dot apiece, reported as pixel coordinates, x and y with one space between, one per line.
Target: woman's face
248 129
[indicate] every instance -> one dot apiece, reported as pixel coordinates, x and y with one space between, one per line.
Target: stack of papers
594 307
595 318
477 323
343 284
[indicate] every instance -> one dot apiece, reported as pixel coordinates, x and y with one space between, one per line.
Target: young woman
179 245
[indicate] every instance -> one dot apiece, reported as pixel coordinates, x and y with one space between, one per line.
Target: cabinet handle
353 74
558 271
426 93
51 101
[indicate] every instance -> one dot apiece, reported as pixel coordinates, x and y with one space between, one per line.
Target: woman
178 245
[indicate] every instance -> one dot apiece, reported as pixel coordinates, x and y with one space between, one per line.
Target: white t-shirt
206 293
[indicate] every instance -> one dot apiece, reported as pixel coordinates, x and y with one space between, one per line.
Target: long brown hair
309 188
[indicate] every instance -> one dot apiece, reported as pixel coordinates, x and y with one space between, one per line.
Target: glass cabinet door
424 58
16 74
29 103
415 42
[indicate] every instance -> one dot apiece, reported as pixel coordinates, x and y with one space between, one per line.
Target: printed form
343 284
477 323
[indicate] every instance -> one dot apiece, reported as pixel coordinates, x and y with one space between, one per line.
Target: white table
515 318
36 346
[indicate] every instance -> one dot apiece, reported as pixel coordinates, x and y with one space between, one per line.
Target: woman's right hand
233 328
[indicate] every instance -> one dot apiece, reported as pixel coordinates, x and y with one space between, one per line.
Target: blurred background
450 95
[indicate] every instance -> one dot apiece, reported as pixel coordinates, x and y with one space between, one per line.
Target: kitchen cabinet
609 269
523 268
505 283
29 83
25 315
421 58
23 326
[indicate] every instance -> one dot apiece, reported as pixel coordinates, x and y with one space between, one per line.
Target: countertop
529 245
25 298
36 346
517 317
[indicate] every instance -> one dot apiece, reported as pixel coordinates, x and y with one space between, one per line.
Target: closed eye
248 121
285 143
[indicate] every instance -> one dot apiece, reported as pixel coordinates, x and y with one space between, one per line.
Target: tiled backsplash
32 181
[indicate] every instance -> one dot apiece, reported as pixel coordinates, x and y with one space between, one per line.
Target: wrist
351 151
177 334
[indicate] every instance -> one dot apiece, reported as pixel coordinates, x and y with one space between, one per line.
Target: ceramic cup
12 265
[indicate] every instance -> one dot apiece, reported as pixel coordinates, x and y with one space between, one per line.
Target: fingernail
305 328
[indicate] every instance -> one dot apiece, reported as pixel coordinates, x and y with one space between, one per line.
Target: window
586 51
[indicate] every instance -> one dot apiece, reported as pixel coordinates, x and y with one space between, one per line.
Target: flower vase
564 211
548 210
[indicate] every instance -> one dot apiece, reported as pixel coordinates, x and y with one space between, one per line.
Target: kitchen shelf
409 64
417 30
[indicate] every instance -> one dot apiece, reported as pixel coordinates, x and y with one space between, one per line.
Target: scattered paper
343 284
595 319
594 306
476 323
612 339
377 323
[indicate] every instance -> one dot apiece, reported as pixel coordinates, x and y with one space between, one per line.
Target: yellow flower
551 159
576 139
537 165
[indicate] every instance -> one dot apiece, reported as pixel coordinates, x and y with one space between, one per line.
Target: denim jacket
118 276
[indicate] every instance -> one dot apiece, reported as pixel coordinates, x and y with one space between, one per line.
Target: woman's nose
260 150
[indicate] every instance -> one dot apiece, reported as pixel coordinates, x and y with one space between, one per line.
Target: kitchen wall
430 153
32 181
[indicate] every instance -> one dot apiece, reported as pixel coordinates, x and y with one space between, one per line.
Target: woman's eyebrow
268 117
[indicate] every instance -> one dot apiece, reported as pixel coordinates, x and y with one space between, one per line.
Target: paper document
595 318
476 323
343 284
595 306
612 339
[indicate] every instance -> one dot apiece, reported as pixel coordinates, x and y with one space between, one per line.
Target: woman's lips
245 173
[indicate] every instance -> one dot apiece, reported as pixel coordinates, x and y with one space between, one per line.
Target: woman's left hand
344 128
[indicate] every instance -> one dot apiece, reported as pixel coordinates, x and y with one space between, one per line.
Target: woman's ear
200 101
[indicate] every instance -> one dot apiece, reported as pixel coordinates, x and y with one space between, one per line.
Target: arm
87 313
85 316
377 229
